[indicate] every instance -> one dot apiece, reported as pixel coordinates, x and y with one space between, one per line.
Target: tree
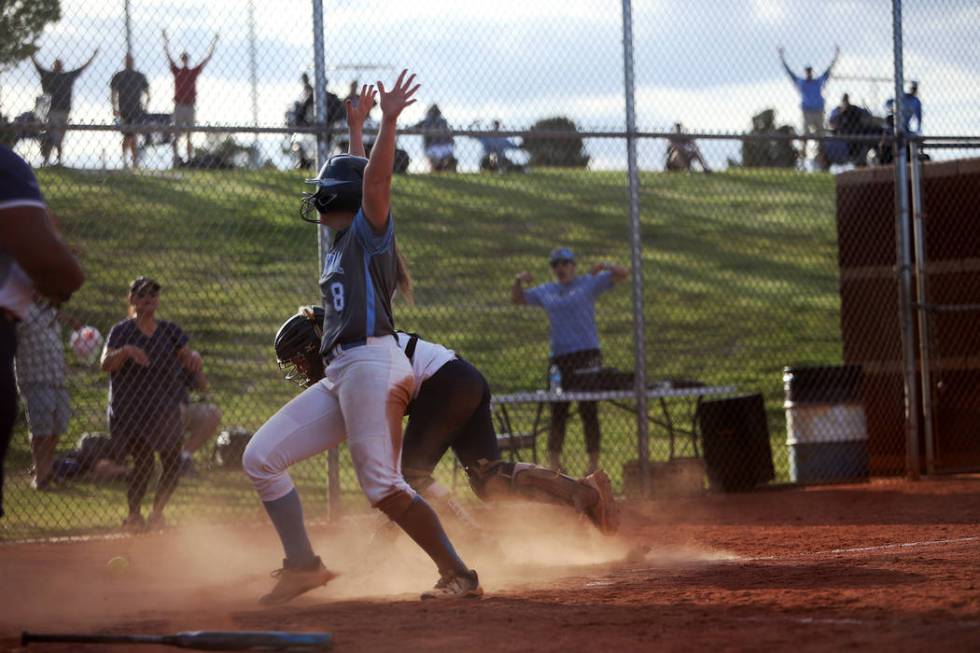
550 151
21 23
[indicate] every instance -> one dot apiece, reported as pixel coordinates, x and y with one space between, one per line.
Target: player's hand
393 102
781 50
524 277
193 363
137 355
358 112
599 267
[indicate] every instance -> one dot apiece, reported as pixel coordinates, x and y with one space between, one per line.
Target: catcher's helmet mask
297 346
339 187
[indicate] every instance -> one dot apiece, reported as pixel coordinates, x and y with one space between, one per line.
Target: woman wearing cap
146 359
570 304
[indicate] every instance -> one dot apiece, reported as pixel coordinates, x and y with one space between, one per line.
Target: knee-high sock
286 514
423 526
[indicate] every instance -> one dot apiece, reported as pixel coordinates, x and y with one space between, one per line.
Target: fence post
636 254
323 234
922 307
905 293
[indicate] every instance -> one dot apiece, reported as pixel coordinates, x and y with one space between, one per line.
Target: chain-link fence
770 277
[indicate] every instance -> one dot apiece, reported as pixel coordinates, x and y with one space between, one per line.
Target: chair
510 441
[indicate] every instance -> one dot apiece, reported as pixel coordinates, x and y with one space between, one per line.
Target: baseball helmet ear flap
339 187
297 346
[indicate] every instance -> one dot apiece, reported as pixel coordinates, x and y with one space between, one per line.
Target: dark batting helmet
339 187
298 346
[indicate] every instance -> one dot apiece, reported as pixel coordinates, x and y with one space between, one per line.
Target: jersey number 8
337 291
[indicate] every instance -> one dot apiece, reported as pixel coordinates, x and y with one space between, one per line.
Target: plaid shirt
40 351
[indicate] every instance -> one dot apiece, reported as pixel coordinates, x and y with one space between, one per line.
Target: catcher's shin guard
591 496
499 478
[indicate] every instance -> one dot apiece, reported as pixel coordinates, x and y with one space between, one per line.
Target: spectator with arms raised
185 92
58 84
811 94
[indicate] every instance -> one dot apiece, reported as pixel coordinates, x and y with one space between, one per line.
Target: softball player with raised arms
368 380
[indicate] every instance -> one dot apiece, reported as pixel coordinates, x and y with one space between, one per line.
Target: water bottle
554 379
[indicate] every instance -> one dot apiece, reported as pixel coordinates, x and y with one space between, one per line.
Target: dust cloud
220 569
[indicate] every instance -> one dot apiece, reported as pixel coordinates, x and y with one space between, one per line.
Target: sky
710 65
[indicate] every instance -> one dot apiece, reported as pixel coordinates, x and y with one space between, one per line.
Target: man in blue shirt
811 94
570 304
912 108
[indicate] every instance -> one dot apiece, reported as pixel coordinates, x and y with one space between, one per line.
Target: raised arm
619 273
517 289
86 64
782 59
166 50
37 65
833 62
377 174
207 57
356 115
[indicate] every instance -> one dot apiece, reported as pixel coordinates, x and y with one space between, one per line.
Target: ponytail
403 278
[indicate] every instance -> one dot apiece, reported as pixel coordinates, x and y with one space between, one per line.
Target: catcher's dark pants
8 391
589 410
452 410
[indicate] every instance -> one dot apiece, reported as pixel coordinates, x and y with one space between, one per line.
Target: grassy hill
740 280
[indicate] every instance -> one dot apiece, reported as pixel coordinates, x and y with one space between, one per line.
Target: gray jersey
357 283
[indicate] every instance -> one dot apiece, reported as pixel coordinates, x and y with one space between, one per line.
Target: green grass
740 280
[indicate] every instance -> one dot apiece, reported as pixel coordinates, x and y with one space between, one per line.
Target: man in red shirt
185 92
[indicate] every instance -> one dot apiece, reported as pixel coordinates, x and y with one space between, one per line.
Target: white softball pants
362 399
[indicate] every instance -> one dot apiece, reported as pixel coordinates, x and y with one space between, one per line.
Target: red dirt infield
888 565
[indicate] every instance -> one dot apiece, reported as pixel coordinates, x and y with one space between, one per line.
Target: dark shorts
160 432
127 118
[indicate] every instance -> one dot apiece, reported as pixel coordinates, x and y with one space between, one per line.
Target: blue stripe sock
423 526
286 514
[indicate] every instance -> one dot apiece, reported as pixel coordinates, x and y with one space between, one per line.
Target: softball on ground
118 565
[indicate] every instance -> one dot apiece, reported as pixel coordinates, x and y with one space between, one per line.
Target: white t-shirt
40 355
427 360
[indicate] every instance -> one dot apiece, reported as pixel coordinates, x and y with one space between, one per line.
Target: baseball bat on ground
264 640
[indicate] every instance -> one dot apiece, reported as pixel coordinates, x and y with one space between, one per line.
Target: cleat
455 585
291 582
605 513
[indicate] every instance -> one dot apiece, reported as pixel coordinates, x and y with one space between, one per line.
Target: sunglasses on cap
561 261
